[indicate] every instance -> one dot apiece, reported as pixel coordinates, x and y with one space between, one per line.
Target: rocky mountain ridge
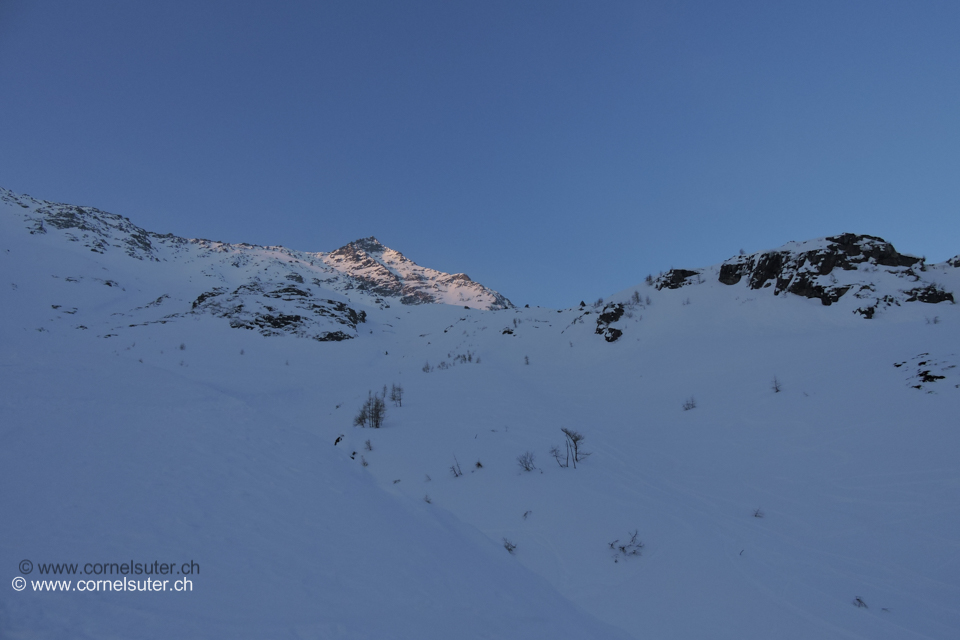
273 290
827 269
326 296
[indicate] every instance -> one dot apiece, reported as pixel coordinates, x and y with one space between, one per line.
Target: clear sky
555 151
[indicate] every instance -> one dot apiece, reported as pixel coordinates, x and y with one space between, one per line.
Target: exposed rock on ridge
609 315
806 269
272 290
385 272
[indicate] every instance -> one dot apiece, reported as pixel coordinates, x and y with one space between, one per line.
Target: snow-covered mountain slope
780 460
272 290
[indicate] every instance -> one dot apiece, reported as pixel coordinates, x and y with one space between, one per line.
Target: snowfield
136 425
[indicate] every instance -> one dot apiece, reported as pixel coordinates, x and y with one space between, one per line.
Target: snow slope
193 439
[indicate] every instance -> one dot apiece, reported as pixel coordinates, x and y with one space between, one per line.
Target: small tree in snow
396 394
572 449
372 413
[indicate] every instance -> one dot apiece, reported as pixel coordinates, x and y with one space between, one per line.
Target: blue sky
555 151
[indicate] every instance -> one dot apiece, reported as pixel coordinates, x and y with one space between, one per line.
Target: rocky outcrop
676 278
283 311
805 269
931 294
797 270
609 315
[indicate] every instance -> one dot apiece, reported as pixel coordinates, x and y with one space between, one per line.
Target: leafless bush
455 468
758 513
525 461
562 458
573 441
775 385
689 403
626 549
509 546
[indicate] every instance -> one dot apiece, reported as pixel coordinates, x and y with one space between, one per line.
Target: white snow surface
136 427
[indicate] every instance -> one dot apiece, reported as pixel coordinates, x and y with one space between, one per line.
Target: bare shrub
626 549
562 458
455 468
509 546
574 440
525 461
689 403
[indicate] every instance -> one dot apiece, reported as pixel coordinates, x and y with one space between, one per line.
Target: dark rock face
799 272
675 278
252 306
614 314
610 314
931 294
416 297
879 303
